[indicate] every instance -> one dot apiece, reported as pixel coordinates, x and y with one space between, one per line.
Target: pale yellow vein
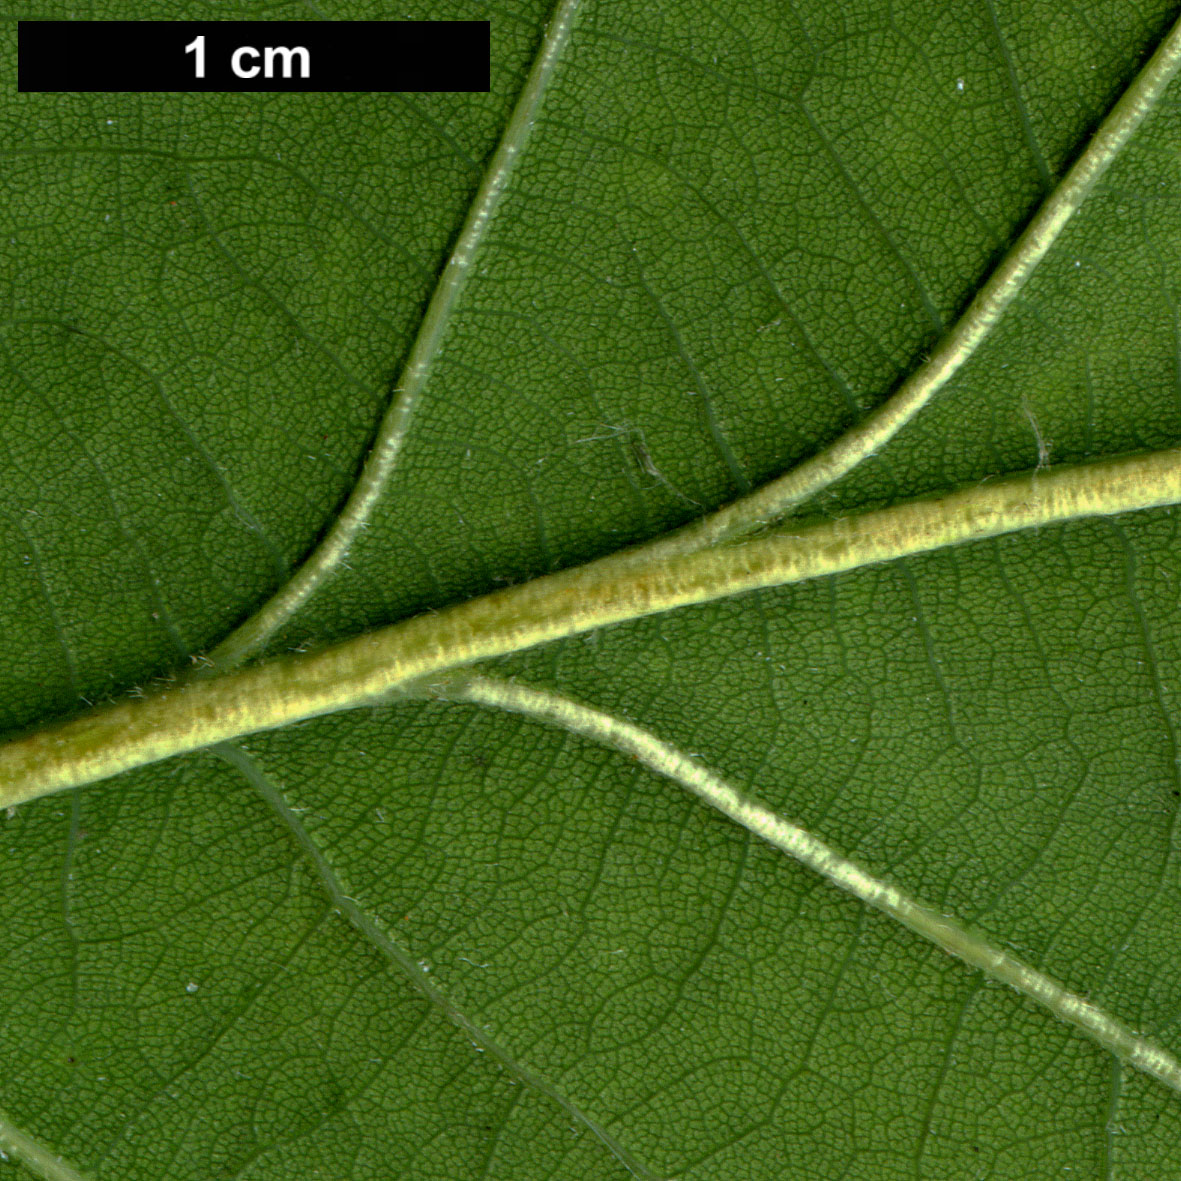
611 590
327 557
35 1157
777 497
941 929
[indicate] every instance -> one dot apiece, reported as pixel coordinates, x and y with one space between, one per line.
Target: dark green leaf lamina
430 941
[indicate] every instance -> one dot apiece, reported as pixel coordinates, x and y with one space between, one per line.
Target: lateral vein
971 947
394 953
35 1157
251 635
776 498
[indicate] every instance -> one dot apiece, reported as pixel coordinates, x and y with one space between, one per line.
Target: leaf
420 939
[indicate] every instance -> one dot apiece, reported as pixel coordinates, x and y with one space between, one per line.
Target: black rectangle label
178 56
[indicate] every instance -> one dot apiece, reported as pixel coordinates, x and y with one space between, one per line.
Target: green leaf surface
430 940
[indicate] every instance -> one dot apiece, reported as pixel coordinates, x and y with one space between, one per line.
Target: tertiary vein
394 953
776 498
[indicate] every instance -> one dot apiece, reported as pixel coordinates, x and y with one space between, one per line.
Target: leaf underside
427 941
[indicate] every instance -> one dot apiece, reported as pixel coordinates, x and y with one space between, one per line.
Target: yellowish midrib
777 497
608 591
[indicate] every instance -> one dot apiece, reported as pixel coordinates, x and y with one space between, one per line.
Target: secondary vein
392 951
327 557
776 498
972 947
34 1155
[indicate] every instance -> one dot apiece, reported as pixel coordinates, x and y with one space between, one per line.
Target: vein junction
611 590
777 497
689 566
944 931
248 638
